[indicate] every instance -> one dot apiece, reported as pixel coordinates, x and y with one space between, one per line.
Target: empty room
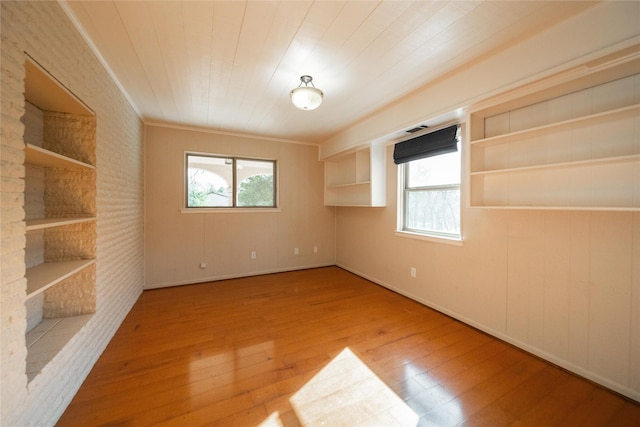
320 213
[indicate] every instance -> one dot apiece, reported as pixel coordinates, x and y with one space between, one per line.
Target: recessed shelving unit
570 141
356 178
60 208
37 156
43 276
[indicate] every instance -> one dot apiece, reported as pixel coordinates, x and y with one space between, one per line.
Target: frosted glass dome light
306 97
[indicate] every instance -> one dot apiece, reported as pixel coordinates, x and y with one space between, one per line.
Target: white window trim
229 210
431 237
420 236
241 209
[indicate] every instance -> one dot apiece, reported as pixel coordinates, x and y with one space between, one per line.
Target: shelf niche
356 178
568 142
60 214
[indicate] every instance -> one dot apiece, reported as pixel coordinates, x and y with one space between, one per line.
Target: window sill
429 238
229 210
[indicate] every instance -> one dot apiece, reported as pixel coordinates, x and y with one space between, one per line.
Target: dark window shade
432 144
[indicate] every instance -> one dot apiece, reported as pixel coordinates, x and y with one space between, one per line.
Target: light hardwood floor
322 347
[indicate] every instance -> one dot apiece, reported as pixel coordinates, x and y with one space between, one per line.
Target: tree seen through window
210 182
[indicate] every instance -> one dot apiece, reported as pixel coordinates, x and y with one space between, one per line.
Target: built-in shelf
38 156
48 338
60 202
356 178
626 112
558 148
38 224
634 158
44 276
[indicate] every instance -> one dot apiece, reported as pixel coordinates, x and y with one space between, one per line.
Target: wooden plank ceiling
230 65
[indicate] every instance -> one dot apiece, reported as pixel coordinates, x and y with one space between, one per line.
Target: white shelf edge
44 276
38 156
505 138
578 163
558 208
351 205
37 224
351 184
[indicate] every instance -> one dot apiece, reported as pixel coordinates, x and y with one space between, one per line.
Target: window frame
403 189
234 185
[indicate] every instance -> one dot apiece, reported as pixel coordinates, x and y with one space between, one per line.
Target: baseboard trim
233 276
564 364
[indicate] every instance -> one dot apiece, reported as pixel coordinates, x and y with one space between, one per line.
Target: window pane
256 186
209 181
433 210
437 170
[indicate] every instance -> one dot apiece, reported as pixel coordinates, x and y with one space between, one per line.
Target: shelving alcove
60 216
356 178
570 141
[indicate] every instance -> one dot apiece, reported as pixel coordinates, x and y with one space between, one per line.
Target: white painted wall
177 242
562 284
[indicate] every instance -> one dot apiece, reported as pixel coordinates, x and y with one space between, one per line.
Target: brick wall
43 31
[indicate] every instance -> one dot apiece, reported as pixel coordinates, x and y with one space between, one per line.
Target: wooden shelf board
556 208
41 157
509 137
47 93
579 163
48 338
37 224
44 276
353 205
351 184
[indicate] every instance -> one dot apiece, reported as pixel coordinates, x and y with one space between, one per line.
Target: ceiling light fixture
306 97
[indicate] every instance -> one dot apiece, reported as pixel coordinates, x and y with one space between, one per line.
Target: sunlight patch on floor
347 393
231 366
272 421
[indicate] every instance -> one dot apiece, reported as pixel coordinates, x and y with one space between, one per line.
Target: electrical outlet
315 249
203 265
296 251
413 272
253 255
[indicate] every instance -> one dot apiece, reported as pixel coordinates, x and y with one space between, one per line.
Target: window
430 196
229 182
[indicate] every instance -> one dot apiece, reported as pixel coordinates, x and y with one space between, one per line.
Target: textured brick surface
42 31
71 297
69 193
70 242
71 135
